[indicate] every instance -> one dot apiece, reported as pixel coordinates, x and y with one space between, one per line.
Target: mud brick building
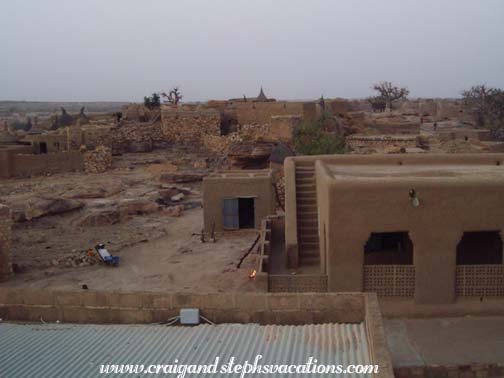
427 227
236 200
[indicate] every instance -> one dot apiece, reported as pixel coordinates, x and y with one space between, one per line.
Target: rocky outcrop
40 207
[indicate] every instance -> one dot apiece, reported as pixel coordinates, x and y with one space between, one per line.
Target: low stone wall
381 141
98 160
85 306
127 137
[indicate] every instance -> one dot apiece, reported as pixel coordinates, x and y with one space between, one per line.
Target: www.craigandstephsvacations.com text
243 369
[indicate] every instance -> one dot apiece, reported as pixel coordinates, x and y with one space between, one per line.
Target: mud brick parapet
29 304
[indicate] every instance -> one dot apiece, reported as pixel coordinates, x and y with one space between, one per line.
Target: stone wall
189 127
381 142
98 160
5 240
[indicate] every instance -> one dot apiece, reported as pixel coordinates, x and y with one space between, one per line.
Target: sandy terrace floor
157 251
177 261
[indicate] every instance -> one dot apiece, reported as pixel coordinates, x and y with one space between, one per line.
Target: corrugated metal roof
61 351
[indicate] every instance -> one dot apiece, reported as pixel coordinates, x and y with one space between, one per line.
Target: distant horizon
123 50
410 98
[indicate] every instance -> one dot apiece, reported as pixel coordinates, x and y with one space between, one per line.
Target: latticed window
388 265
479 271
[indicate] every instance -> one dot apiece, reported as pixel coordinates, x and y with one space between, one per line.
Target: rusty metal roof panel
61 350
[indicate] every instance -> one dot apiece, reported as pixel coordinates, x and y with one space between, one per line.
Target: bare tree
389 93
478 102
173 97
486 106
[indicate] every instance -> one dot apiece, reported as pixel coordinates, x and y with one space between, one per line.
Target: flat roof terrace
452 172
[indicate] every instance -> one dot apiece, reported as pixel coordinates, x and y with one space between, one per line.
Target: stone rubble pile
99 160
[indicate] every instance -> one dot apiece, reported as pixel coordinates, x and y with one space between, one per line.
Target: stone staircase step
309 260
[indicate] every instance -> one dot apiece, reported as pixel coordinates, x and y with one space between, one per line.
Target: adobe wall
216 189
452 134
6 153
291 240
282 128
5 240
437 108
54 142
25 165
354 210
31 304
261 112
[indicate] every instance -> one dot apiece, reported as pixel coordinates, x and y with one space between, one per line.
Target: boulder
167 194
137 207
40 207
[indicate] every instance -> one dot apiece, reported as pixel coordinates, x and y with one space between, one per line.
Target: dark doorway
43 147
482 247
246 210
228 124
388 248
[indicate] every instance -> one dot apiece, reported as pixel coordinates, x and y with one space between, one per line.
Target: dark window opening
238 213
43 147
388 248
246 212
482 247
228 124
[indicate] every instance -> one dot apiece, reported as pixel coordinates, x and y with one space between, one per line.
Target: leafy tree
311 138
153 101
388 93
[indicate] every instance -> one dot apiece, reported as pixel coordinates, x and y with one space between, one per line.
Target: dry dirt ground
158 251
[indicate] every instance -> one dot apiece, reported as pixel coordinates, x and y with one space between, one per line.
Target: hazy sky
54 50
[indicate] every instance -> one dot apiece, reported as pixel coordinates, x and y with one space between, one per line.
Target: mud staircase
307 219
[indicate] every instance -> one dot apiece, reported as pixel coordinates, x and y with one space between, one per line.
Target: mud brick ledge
30 304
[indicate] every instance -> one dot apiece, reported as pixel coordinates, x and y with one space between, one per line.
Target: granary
235 200
427 227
